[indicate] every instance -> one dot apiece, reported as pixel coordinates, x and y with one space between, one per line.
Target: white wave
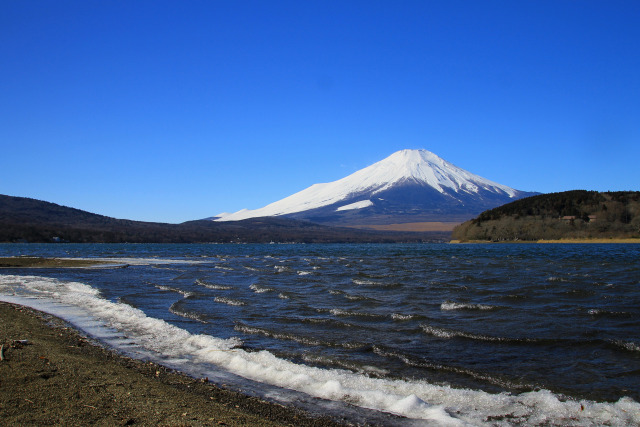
229 301
186 314
450 305
351 313
449 333
128 320
260 289
435 404
557 279
353 297
364 282
182 292
304 273
627 345
279 335
213 286
401 317
439 332
144 261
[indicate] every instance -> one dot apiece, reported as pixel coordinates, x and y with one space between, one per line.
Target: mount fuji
409 186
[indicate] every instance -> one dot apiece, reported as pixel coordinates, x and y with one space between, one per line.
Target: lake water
436 333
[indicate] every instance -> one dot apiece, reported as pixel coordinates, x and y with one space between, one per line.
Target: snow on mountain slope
406 166
357 205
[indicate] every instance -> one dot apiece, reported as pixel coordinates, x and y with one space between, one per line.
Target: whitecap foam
451 305
353 297
611 313
627 345
252 330
213 286
402 317
343 363
557 279
451 333
229 301
260 289
439 404
364 282
439 332
175 309
144 261
352 313
182 292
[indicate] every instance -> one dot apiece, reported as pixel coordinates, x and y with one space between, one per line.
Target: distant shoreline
613 240
600 240
40 262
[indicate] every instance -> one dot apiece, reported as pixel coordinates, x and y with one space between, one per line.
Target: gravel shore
50 374
39 262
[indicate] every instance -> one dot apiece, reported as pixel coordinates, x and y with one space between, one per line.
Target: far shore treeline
569 215
577 214
35 221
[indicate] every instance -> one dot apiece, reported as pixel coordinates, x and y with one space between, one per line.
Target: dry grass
411 226
636 241
591 241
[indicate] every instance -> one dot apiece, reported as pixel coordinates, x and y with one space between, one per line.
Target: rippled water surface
514 318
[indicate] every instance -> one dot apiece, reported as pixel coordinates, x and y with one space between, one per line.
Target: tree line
577 214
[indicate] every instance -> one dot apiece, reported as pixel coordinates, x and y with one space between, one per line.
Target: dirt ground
52 375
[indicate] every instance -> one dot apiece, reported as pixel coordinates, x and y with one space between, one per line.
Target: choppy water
496 334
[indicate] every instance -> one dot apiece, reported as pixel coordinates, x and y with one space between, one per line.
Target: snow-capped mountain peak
423 167
362 189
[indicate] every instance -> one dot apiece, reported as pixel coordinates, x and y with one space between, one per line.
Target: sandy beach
612 240
50 374
598 241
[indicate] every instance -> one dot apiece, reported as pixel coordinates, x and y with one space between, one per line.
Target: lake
477 334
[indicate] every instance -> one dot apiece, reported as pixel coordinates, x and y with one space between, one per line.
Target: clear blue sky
178 110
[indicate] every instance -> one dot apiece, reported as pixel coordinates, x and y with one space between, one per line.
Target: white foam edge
83 306
143 261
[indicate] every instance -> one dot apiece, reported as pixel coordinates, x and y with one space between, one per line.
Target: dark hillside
30 220
577 214
25 210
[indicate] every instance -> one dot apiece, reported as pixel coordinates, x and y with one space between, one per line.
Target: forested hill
29 220
576 214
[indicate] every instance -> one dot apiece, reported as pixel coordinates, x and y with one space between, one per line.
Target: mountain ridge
407 186
25 220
